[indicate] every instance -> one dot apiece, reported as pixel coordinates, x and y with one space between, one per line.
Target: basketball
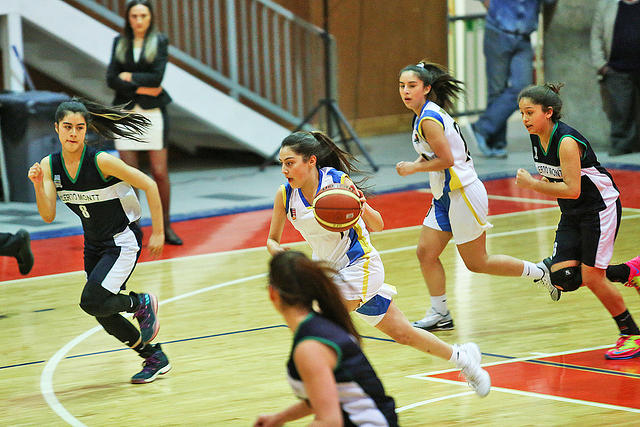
337 207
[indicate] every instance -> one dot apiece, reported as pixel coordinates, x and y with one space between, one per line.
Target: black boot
19 246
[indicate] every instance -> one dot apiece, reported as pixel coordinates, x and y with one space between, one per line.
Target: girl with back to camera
138 61
311 161
327 369
460 205
97 187
590 210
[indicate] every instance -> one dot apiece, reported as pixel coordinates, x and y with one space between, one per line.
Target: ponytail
445 89
300 282
327 153
547 96
109 122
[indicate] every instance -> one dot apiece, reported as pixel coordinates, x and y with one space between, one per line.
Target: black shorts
111 262
588 237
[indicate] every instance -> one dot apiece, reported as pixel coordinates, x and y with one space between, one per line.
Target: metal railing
255 50
466 61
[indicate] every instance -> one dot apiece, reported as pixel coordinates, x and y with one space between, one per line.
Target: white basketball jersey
462 172
340 249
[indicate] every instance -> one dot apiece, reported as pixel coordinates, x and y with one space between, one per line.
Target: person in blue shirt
509 67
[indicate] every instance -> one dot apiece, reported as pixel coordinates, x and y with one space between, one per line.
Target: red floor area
620 385
250 229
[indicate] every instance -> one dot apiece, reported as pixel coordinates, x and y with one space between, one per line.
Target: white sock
439 304
455 355
532 270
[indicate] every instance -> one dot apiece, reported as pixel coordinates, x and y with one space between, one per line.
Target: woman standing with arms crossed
327 369
96 186
590 210
138 61
311 161
460 205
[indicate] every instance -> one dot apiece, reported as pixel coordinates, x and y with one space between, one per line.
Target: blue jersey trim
433 115
356 251
288 190
335 175
441 207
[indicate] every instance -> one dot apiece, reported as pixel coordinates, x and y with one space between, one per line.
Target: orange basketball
337 207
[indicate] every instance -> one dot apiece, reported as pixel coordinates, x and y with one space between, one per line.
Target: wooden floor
228 346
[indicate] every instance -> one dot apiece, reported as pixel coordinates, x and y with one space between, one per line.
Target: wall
375 39
567 59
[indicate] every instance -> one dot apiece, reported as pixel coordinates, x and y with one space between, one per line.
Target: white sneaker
434 321
468 362
554 292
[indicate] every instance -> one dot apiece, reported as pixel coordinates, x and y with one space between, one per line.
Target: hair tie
420 64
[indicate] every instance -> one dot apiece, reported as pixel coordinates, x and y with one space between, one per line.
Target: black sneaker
147 315
154 365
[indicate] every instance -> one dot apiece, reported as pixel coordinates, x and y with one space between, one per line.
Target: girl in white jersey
310 161
460 206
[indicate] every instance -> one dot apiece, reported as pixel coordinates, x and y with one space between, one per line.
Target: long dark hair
109 122
318 144
546 95
445 89
150 38
300 281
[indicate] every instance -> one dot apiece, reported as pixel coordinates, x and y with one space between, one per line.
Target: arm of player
315 363
278 219
113 166
443 159
40 176
293 412
371 217
570 186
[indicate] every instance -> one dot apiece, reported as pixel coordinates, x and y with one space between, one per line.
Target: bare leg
430 245
395 324
129 157
474 254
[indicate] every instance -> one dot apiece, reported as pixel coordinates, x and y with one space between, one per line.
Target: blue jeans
509 67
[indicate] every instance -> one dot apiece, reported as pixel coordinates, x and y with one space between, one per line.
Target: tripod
332 111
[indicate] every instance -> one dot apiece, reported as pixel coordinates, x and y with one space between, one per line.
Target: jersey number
466 148
85 212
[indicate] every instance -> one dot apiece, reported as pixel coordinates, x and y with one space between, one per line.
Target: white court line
427 377
435 399
523 393
46 379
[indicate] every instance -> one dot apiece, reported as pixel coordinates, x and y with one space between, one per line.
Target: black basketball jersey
597 189
361 394
105 205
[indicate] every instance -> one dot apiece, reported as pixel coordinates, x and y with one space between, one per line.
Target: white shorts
154 134
462 212
362 279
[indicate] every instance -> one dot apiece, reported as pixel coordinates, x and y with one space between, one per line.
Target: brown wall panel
375 39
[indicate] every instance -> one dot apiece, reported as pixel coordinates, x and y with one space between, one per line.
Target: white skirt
154 134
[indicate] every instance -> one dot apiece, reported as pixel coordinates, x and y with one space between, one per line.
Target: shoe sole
436 327
156 326
606 356
151 379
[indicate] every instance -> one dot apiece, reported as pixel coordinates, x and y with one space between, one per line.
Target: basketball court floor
228 346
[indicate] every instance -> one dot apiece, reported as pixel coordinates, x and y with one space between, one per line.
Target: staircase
227 107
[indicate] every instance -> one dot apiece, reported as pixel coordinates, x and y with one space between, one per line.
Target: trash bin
26 123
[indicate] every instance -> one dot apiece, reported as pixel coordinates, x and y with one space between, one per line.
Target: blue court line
583 368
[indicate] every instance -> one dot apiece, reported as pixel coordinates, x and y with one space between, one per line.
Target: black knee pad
93 298
567 279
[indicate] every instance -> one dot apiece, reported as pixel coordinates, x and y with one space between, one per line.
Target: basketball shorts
588 237
373 310
111 262
462 212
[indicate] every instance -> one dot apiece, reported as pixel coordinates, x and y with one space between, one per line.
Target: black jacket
143 74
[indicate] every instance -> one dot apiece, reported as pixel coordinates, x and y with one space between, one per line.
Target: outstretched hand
155 245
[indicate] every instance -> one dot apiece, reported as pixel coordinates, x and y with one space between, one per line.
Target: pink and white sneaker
627 347
634 273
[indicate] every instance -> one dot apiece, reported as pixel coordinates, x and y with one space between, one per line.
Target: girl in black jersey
590 210
96 186
327 369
